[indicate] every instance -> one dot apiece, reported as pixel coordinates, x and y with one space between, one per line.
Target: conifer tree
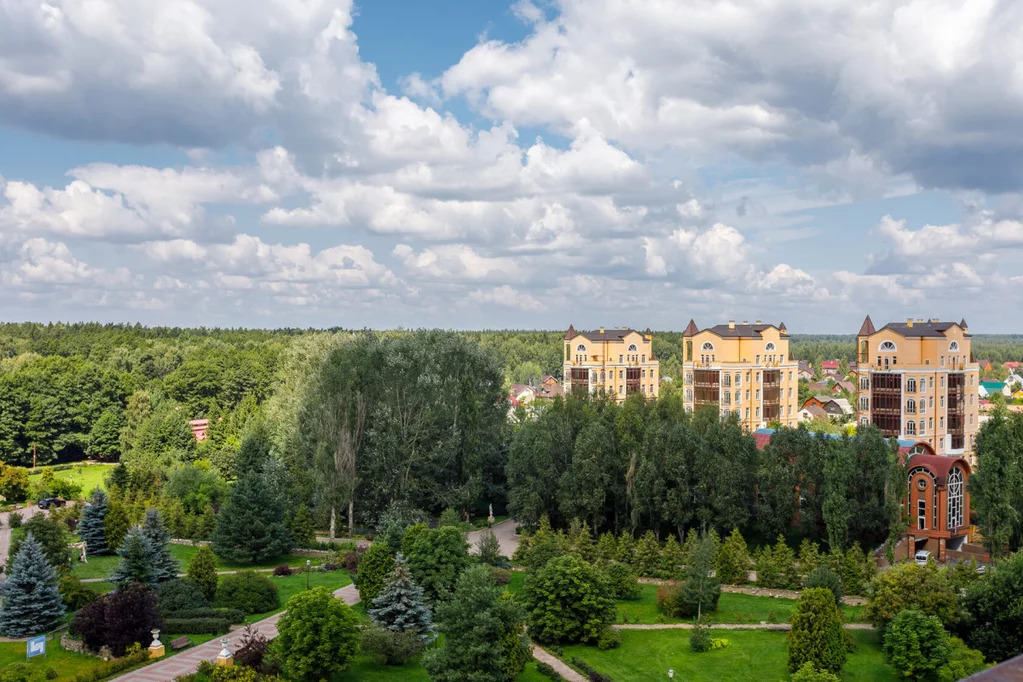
251 525
90 528
809 556
700 590
400 606
816 635
607 548
647 556
136 565
202 569
165 567
31 601
689 546
116 523
582 541
626 548
671 557
733 560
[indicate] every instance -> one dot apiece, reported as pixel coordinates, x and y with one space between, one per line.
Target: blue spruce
400 606
31 603
90 529
165 567
136 565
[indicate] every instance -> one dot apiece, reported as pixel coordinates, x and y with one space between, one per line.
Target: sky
526 164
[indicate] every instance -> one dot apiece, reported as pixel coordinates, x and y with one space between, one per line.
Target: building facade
937 501
916 380
615 362
744 369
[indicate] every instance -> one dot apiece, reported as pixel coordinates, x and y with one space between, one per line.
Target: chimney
601 330
731 324
759 322
745 322
909 322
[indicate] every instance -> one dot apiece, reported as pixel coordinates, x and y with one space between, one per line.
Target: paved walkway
27 512
505 532
553 661
727 626
188 661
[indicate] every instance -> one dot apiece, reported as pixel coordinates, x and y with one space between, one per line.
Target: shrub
14 520
350 561
282 570
230 615
249 591
962 661
118 619
826 578
319 635
621 581
609 638
915 644
253 650
699 640
449 517
110 668
197 626
392 647
75 593
669 599
568 600
993 611
202 569
374 568
908 586
436 559
488 547
591 674
808 673
548 671
816 634
501 576
180 595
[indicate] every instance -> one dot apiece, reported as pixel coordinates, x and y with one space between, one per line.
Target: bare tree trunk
333 520
351 519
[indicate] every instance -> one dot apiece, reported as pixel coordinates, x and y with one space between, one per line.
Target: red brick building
937 501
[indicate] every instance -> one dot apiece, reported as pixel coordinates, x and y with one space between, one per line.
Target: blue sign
35 646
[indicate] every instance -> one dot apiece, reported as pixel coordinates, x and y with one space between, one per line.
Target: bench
180 643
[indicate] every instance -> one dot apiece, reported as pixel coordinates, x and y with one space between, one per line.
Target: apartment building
617 362
744 369
917 380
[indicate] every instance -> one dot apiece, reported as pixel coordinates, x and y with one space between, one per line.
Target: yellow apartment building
917 380
744 369
616 362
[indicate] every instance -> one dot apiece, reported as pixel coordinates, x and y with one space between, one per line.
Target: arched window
955 498
580 348
911 385
954 347
910 428
689 395
769 347
632 347
910 409
888 347
707 345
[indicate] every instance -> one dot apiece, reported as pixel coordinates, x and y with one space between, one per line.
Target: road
505 532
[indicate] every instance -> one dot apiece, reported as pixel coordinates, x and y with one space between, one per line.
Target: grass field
363 668
103 566
66 663
751 654
87 476
290 585
732 608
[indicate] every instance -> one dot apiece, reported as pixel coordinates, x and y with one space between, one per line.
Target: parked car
922 557
51 502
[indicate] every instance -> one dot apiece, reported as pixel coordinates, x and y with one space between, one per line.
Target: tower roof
570 334
782 329
691 329
962 323
868 327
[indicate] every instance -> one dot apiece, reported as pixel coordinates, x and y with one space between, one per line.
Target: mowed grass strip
103 566
88 476
68 664
750 654
732 608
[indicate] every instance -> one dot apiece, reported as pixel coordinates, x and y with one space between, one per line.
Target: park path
505 532
553 661
727 626
188 661
27 512
185 575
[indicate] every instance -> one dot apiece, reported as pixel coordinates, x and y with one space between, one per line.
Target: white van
922 557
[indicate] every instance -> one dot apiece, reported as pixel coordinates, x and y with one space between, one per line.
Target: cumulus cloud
507 297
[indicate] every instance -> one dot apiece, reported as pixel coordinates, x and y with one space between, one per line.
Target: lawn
751 654
87 476
365 669
290 585
732 608
103 566
67 663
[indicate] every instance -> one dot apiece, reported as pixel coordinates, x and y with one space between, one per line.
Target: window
642 373
790 391
953 347
864 383
643 357
971 420
887 347
707 346
911 385
910 406
747 413
757 394
758 413
942 360
621 358
930 382
689 377
747 395
864 403
580 348
621 374
911 428
921 514
930 423
738 397
738 379
955 498
726 379
632 348
930 402
941 422
758 359
689 395
769 347
758 377
790 410
621 389
942 385
689 351
941 401
642 388
651 389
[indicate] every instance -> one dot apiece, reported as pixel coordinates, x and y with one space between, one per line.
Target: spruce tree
607 548
700 590
626 547
136 565
251 526
647 557
400 606
90 528
165 567
31 601
671 557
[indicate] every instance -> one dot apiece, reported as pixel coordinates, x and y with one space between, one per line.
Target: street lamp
671 673
308 565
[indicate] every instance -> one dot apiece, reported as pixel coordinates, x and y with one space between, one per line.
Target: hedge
109 668
196 626
230 615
